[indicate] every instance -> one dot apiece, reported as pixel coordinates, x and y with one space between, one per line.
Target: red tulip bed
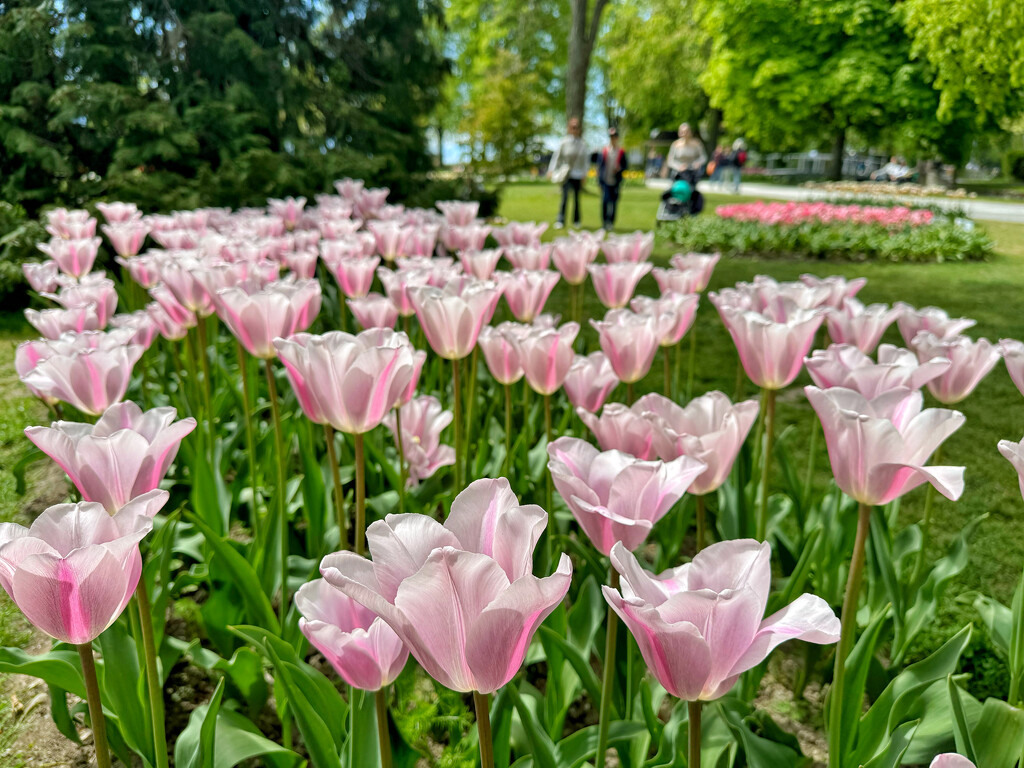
293 483
821 230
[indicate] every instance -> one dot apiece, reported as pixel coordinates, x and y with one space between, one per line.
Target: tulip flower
684 281
354 275
467 238
349 188
836 288
970 362
391 238
95 290
458 213
145 269
526 291
520 233
142 325
452 321
1014 453
125 454
589 382
422 421
616 283
422 240
117 213
878 448
289 209
73 257
90 379
571 256
169 327
635 247
76 567
546 355
301 263
397 285
630 341
41 275
364 651
859 325
461 596
622 428
480 264
532 258
374 310
1013 355
843 365
52 323
701 625
616 497
702 265
673 314
127 237
279 310
500 345
184 279
951 760
912 321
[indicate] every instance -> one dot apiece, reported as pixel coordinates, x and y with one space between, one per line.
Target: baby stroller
681 199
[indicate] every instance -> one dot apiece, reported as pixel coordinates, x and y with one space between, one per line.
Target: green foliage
943 240
1013 164
18 238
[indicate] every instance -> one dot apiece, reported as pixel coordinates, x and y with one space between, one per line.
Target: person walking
610 165
733 164
686 157
569 168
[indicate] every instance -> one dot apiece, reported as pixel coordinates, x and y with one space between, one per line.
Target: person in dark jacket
611 162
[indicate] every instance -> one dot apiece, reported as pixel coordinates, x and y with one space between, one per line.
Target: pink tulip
589 382
616 497
364 651
630 341
1013 355
500 345
520 233
701 265
95 290
771 346
126 237
397 285
951 760
338 229
89 379
41 275
622 428
279 310
527 291
859 325
346 248
423 420
634 247
970 362
480 264
349 188
169 327
74 257
391 238
710 429
468 238
1014 453
836 288
878 447
142 325
534 258
349 382
461 596
125 454
289 209
700 626
684 281
52 323
572 255
76 567
546 355
374 310
301 263
912 321
118 213
70 225
843 365
144 270
354 275
458 213
452 318
616 283
185 279
673 314
766 293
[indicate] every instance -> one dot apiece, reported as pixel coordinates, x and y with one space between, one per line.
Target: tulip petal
401 544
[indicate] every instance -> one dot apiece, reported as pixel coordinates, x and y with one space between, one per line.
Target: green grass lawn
991 292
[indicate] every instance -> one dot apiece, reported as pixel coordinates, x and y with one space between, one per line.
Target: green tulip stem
470 402
383 735
250 441
766 461
701 522
608 678
281 490
153 686
457 424
548 490
402 472
694 707
483 727
92 694
666 354
508 429
847 636
360 496
173 353
691 364
629 393
204 359
339 492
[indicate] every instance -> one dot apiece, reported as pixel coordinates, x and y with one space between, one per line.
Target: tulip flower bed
830 231
286 484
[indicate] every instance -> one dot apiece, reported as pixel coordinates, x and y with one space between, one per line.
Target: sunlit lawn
990 292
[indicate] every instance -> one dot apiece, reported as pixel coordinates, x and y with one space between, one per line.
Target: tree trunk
440 146
714 130
582 36
835 169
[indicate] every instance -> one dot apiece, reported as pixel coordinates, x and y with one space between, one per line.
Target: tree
584 27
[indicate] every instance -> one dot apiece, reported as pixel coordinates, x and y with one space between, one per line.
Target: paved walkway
976 209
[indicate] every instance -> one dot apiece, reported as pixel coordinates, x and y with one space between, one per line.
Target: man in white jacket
569 167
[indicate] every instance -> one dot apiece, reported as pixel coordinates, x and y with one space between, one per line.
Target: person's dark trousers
574 185
609 204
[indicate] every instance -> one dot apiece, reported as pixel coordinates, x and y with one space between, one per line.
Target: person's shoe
559 225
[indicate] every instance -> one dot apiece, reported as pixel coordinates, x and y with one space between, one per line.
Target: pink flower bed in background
826 213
